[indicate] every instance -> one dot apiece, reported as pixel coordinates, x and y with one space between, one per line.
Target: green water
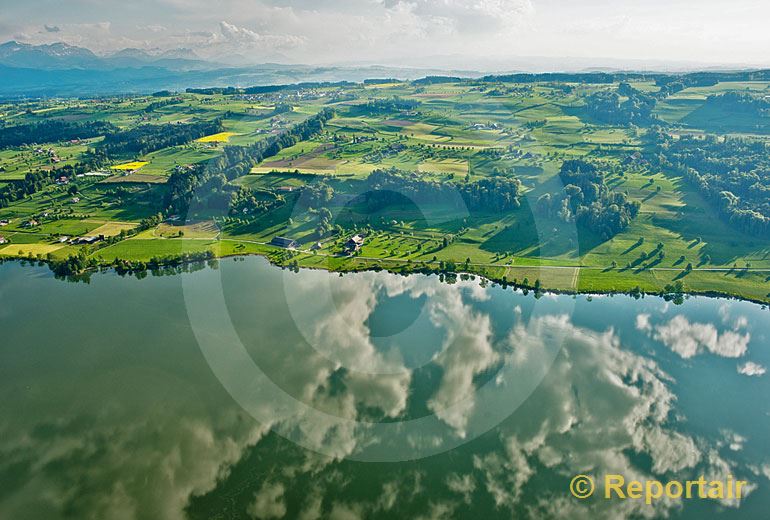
251 392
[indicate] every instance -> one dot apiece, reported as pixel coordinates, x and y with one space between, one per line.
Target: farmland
453 137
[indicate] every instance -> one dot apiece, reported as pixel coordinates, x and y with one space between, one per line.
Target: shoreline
412 268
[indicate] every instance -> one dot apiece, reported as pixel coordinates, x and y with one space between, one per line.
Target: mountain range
59 69
60 56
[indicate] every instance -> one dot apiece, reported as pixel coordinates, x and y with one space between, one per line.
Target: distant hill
175 59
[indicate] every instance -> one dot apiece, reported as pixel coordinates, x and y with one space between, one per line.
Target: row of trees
51 131
268 89
732 173
155 105
80 264
672 84
393 186
207 184
73 264
588 201
246 202
742 102
606 106
148 138
32 183
35 181
387 106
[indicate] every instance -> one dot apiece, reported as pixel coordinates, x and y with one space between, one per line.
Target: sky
474 34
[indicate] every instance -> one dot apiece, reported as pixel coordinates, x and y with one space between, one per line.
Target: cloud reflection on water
162 438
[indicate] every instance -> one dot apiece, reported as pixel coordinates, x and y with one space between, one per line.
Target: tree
588 201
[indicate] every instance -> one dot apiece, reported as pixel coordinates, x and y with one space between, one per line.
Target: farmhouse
488 126
30 223
87 240
4 222
354 243
286 243
634 158
2 240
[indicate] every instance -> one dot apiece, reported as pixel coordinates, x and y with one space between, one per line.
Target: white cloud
439 511
126 466
733 441
396 30
505 473
249 39
597 403
751 369
467 353
155 28
737 323
476 17
268 502
599 407
643 322
719 469
463 485
689 339
341 511
335 324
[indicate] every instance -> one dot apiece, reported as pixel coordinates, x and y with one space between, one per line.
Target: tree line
587 200
51 131
35 181
148 138
207 184
393 186
606 106
732 173
742 102
386 106
268 89
32 183
661 79
155 105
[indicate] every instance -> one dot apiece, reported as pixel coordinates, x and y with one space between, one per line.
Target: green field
456 133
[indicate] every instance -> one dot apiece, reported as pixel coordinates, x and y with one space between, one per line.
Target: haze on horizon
475 35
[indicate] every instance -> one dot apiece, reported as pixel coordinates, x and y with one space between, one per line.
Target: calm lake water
248 391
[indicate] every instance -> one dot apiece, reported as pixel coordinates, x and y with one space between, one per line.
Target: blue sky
405 31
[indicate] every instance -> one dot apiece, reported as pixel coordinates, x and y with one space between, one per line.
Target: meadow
450 132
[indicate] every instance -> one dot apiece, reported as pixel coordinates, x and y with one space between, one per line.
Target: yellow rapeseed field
221 137
130 166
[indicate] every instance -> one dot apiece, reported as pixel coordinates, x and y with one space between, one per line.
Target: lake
247 391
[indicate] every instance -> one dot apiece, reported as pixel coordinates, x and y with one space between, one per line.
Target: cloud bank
405 31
